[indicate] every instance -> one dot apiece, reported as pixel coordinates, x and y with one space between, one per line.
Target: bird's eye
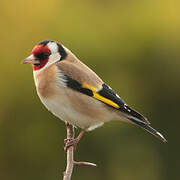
42 56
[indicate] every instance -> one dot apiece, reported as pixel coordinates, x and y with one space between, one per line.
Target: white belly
61 107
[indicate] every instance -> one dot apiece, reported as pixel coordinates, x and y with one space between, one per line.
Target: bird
74 93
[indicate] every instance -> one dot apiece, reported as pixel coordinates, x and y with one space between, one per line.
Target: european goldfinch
75 94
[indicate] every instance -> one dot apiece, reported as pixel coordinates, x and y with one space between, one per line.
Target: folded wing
87 82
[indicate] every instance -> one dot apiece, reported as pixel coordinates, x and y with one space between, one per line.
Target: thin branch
70 155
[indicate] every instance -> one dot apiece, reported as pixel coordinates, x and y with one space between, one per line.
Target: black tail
148 128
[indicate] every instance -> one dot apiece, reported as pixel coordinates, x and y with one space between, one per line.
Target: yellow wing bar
105 100
99 97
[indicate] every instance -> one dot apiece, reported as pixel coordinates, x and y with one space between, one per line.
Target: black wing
108 93
110 98
105 95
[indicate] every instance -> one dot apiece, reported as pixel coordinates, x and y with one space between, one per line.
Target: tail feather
136 114
148 128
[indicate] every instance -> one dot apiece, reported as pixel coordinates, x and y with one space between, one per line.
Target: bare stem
70 155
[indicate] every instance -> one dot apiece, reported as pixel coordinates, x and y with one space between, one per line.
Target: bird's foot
73 141
70 142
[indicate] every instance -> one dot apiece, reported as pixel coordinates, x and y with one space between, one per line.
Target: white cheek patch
53 47
54 58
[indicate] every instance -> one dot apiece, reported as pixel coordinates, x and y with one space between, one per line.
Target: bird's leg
73 141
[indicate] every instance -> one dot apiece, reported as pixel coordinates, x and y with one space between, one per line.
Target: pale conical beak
30 60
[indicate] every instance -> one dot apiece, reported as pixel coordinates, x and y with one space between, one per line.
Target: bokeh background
134 46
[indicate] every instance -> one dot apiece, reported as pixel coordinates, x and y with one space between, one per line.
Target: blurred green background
134 46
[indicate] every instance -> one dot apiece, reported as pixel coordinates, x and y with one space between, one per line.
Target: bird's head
46 53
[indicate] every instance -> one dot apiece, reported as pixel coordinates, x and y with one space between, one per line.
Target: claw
69 143
72 141
67 139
